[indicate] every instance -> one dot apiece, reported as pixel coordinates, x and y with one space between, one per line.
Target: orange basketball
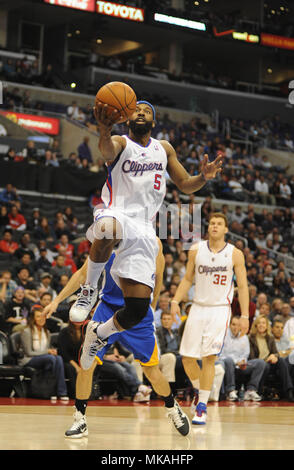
120 96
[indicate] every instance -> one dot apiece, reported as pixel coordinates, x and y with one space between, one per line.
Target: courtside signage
42 124
120 11
86 5
180 22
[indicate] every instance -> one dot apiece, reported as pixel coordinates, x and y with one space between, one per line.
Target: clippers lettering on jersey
211 269
130 166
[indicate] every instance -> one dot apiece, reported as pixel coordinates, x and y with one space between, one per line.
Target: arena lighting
180 22
280 42
245 37
86 5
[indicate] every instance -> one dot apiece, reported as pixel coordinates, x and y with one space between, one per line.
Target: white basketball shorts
136 254
205 330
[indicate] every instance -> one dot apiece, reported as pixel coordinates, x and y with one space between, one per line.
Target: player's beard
140 129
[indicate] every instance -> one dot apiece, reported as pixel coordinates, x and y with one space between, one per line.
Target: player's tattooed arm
186 183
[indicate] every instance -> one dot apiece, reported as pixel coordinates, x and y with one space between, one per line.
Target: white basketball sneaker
86 300
92 344
79 427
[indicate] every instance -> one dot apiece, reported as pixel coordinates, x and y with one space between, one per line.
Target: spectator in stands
16 311
73 110
289 330
35 341
4 219
30 152
47 78
263 346
7 245
45 283
169 342
282 342
61 228
95 199
26 246
51 159
16 220
43 264
262 190
7 286
22 279
60 268
115 365
9 196
69 262
64 243
44 231
9 70
69 344
285 192
292 302
34 220
25 262
84 151
71 160
276 308
235 357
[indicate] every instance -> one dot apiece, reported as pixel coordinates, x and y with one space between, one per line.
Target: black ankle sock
169 401
81 405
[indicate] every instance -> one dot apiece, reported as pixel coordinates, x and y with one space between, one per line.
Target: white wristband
175 301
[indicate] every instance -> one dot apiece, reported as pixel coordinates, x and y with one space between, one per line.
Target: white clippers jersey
214 275
136 179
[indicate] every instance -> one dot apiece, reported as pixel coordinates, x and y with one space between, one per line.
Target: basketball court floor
27 424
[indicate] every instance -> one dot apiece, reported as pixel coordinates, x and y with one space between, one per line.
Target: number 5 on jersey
157 181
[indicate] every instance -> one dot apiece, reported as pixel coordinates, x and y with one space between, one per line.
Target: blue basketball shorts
140 340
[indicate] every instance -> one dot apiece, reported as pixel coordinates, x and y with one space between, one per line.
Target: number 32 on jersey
220 279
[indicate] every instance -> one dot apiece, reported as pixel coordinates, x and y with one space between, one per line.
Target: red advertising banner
86 5
42 124
277 41
120 11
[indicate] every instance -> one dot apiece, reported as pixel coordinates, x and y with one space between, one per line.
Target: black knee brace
133 312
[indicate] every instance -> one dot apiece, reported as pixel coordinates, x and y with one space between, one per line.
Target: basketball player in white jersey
133 193
212 264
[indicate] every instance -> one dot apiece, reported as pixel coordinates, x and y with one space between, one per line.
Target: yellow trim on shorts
98 360
154 359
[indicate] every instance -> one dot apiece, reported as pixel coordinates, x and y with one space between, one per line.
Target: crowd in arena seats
39 251
27 71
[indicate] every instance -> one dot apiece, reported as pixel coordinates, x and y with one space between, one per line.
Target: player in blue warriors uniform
140 340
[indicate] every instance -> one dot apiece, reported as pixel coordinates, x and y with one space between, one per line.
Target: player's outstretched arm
160 264
77 279
186 282
243 291
109 146
184 182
